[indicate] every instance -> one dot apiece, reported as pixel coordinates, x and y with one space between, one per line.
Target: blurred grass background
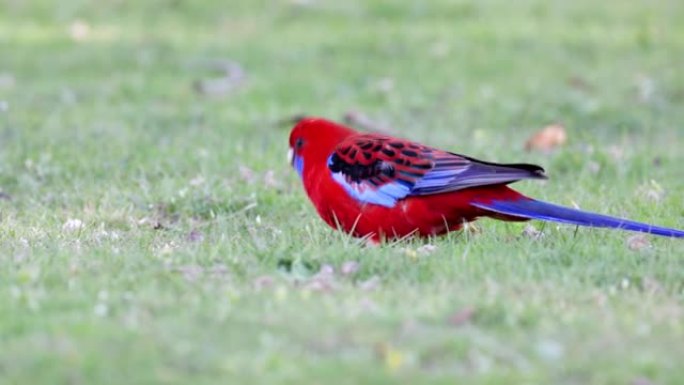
153 233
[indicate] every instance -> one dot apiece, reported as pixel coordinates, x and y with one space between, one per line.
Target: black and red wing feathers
371 164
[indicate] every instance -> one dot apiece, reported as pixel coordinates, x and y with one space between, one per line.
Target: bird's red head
312 140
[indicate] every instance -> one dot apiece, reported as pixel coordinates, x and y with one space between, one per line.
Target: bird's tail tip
533 209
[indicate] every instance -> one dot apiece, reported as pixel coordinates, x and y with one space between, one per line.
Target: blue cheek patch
299 165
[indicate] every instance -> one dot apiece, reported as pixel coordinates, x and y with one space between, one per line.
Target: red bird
381 187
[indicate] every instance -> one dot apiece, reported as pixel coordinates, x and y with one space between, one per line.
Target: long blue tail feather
533 209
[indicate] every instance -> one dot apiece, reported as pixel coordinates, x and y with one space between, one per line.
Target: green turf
197 256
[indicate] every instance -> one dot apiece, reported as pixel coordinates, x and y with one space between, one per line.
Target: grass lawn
152 232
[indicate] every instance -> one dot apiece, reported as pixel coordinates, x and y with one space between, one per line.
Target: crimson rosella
380 187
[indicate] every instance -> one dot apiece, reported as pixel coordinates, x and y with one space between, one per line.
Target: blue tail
532 209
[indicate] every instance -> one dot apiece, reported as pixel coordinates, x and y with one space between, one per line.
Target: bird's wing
381 169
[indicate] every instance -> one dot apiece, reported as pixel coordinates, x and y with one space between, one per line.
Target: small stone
426 249
349 268
72 225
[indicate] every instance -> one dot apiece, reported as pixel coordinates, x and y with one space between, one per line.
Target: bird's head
312 140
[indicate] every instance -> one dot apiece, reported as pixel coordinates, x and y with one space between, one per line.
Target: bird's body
381 187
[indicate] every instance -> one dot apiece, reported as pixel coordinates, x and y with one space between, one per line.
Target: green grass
197 258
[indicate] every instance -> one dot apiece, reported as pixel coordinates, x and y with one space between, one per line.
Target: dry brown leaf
548 139
579 83
638 242
462 316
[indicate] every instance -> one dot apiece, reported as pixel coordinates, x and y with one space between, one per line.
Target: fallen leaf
472 228
638 242
195 236
462 316
579 83
548 139
349 268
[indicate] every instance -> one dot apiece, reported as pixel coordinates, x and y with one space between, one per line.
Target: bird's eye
299 143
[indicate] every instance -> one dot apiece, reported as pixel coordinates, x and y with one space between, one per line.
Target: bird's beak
290 156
